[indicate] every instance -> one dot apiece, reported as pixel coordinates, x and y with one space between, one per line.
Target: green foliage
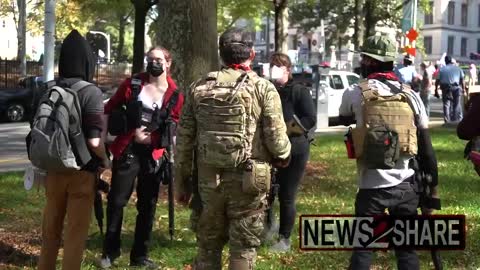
339 15
228 12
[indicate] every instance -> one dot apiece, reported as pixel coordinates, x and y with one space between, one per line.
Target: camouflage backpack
223 112
389 128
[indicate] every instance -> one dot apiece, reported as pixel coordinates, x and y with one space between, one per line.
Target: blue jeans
399 200
452 104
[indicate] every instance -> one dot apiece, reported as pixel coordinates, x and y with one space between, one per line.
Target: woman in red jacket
138 154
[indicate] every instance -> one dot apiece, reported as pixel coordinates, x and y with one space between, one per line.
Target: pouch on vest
381 148
117 121
385 119
256 177
128 116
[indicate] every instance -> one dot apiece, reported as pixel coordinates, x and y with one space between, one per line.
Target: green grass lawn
328 188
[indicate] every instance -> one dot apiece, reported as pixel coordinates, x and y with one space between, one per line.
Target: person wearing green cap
389 185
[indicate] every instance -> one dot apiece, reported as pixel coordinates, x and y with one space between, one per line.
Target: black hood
76 58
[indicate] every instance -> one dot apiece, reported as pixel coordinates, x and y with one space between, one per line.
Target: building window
427 42
478 45
464 14
451 13
429 17
463 47
451 41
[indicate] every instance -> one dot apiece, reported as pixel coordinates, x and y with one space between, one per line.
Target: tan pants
68 194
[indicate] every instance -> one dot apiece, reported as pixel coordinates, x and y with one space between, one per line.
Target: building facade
453 27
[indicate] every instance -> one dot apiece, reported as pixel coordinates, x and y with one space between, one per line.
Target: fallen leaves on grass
19 248
315 169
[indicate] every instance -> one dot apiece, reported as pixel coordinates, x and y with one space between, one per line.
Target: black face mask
155 69
366 70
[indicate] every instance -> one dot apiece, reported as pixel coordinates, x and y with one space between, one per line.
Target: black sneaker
144 263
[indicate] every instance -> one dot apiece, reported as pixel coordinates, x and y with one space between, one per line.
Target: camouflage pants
229 216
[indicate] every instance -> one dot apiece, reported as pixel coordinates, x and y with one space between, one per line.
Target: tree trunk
356 25
22 37
141 9
369 19
203 43
188 29
281 25
173 32
121 37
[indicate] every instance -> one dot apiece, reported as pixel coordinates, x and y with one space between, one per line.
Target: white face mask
276 73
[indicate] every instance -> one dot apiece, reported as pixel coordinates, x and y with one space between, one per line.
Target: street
13 156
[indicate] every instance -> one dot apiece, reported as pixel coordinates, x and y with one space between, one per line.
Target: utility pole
22 33
49 43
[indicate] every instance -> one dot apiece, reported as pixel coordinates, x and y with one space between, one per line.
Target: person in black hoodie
71 194
297 103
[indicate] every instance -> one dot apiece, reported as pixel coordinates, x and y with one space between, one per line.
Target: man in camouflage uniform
232 119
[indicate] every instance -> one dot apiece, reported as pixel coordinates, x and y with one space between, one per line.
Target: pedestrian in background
451 82
297 103
426 84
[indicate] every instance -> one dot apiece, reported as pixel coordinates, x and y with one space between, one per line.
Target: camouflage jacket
266 132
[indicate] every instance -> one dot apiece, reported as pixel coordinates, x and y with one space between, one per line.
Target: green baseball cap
381 48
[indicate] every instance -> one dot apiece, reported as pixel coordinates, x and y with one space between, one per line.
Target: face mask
276 73
155 69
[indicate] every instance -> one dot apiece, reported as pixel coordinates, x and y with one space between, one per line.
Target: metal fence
10 72
106 75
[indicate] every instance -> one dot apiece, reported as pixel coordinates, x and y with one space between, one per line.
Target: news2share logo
348 232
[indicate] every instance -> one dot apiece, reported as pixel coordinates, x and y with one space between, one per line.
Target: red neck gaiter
387 76
240 66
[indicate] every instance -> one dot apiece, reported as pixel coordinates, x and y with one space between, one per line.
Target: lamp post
107 37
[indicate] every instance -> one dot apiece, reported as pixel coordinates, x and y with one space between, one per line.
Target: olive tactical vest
389 125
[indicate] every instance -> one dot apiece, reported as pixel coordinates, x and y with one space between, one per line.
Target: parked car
336 83
16 103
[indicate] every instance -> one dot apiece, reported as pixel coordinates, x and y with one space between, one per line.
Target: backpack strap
77 139
172 102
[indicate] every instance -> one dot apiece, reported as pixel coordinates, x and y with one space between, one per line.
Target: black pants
289 180
399 200
135 163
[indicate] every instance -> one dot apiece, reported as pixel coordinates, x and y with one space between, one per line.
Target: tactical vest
225 126
389 129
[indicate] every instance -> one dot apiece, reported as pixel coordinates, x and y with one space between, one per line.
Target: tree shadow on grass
19 250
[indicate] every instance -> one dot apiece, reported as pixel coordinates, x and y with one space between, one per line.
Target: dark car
16 103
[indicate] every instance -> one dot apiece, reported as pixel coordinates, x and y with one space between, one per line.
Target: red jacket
124 94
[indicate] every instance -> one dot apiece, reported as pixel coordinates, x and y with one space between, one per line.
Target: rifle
170 176
424 182
271 197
